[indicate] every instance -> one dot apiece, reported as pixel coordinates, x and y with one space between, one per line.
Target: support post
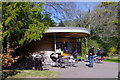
55 42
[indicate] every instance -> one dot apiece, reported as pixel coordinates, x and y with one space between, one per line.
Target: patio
105 70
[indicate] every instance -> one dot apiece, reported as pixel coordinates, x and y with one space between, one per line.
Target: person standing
90 56
38 62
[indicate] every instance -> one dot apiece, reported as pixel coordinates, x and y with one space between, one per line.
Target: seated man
58 51
53 57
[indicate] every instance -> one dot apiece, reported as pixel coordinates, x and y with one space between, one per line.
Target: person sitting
65 50
53 57
75 54
58 51
99 52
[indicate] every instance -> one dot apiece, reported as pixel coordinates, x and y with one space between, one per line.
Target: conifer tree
23 22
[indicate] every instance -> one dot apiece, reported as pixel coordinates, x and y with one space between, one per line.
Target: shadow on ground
7 73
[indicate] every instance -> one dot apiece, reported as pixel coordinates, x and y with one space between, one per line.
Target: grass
107 59
80 57
117 60
34 74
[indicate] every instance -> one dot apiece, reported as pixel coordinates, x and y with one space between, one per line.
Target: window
59 45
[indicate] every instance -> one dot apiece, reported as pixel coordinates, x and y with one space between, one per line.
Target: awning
75 32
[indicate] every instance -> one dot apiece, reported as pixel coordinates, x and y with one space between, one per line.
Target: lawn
107 59
111 59
83 58
31 74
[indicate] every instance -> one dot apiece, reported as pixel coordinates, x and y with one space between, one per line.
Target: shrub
7 58
112 51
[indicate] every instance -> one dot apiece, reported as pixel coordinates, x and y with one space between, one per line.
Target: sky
83 6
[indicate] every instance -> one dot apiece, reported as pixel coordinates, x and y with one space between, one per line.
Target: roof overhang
75 32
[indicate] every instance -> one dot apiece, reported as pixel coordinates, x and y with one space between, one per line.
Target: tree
22 23
63 11
104 25
61 24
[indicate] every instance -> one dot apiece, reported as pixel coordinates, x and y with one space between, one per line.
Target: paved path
105 70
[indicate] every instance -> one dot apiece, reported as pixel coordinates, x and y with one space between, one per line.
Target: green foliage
84 49
112 51
1 33
24 22
107 4
112 59
13 74
104 23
